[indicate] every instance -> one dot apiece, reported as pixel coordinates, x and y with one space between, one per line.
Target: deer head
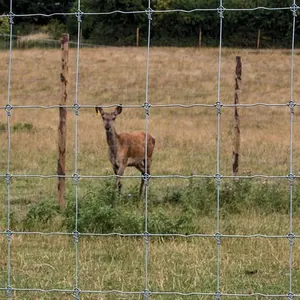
109 118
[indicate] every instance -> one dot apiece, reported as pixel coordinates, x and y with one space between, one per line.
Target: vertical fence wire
291 175
8 176
218 177
76 107
146 175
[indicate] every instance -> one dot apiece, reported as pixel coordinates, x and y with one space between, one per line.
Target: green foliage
22 127
173 195
98 212
201 195
114 29
180 28
240 28
4 25
270 197
102 210
163 220
3 127
41 214
183 29
41 7
25 25
17 127
54 28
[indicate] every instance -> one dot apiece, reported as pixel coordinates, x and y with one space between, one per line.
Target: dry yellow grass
186 138
178 265
186 143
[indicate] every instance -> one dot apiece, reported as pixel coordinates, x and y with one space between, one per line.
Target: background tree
113 29
271 28
4 25
181 28
24 25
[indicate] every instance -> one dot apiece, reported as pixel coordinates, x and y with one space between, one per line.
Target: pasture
186 143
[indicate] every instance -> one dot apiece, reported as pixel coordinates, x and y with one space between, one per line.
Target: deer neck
112 140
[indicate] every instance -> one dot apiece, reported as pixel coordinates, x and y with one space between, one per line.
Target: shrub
54 28
103 211
41 213
201 195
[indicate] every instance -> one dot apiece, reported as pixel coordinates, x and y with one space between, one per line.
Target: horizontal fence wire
155 235
179 105
175 176
153 11
146 236
146 294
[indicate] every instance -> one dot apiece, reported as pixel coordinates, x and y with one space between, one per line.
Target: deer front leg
115 168
120 172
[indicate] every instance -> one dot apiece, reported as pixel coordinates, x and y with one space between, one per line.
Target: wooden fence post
61 165
137 36
200 37
236 123
258 39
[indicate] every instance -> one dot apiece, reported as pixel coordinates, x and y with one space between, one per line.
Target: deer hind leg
148 169
141 186
141 168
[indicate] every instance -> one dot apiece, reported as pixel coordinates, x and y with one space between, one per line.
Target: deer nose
107 127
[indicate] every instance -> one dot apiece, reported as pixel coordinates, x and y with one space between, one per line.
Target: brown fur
126 149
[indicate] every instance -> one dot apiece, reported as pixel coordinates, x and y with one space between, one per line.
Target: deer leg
115 168
148 170
118 183
120 172
141 168
141 186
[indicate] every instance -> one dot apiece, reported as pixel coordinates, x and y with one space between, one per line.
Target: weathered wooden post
61 165
258 39
236 122
200 37
137 36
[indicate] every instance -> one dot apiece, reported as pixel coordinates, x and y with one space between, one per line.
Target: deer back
132 145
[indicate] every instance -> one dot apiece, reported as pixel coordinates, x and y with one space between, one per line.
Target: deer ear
99 110
118 109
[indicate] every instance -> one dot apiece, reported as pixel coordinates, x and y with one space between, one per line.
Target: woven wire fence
218 236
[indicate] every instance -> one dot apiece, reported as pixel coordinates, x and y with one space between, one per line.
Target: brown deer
126 149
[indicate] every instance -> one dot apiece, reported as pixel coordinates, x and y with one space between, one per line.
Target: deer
126 149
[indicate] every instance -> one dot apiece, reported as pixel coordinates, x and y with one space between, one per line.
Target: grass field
185 144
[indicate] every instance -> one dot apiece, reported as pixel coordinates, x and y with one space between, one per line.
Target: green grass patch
18 127
22 127
174 209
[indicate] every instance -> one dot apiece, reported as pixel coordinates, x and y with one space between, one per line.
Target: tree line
262 28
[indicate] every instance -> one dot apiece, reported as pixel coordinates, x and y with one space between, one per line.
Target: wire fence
147 106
